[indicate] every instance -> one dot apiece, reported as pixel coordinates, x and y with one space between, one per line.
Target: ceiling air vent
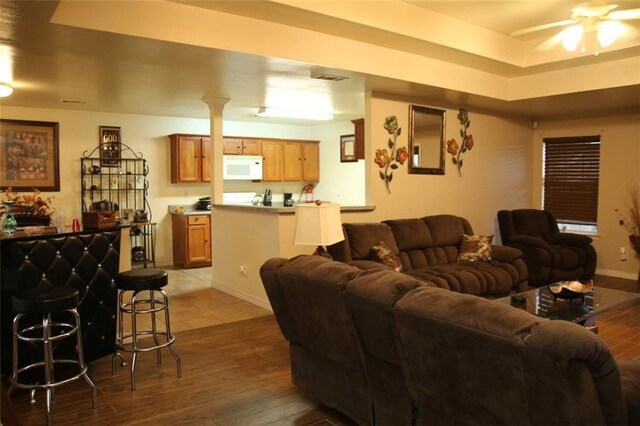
327 77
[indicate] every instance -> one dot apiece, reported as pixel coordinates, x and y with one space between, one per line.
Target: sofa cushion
363 236
475 247
410 234
476 278
383 254
447 230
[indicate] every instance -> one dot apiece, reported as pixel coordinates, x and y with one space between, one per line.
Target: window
571 174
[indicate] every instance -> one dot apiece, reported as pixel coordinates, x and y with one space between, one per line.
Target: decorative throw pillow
475 247
383 254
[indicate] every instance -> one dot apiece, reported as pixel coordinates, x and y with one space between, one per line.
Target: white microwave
242 167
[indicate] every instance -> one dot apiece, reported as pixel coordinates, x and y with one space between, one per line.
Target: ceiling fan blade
624 14
541 27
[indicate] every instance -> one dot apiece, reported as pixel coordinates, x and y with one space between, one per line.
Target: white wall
341 183
148 135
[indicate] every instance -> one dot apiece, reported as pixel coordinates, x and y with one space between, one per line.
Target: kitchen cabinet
301 161
190 158
191 240
272 160
359 137
242 146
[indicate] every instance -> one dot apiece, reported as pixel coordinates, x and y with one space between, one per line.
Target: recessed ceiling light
5 90
283 113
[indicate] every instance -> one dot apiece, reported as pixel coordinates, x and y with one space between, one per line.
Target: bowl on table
569 290
33 230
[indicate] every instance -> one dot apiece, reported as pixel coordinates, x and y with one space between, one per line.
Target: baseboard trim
242 296
617 274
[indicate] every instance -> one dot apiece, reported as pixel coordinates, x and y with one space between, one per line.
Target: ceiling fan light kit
5 90
596 18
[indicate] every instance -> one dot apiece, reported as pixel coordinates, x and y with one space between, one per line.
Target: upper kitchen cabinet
301 161
190 158
272 158
240 146
358 127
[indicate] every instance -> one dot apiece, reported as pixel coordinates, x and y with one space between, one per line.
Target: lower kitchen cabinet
191 240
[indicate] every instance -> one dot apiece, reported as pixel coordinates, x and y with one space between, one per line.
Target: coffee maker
288 199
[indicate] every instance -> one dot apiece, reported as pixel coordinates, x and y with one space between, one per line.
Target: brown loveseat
355 336
428 249
550 255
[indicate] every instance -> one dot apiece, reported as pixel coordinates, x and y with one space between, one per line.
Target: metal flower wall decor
465 145
387 158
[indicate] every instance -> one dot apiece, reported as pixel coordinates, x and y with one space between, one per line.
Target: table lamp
318 225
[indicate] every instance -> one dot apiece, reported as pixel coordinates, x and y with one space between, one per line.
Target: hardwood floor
235 366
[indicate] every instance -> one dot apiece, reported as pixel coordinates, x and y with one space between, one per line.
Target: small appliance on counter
141 216
266 199
288 199
204 203
137 254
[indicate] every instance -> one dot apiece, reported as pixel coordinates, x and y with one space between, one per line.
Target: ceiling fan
593 17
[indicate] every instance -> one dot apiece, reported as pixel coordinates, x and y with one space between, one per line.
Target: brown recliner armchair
550 255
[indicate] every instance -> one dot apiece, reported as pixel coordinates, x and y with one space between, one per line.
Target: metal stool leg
48 363
168 330
14 358
83 366
119 336
154 330
134 339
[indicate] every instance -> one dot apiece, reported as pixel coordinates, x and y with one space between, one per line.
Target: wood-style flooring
235 367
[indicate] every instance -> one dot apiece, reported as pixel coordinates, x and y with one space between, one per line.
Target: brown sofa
550 255
385 348
428 249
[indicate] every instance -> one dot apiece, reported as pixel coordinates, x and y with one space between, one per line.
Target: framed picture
110 146
348 148
29 155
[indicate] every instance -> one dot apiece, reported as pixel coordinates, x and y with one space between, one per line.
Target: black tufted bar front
87 261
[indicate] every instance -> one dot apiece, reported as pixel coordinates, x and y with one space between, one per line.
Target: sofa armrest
368 264
505 254
570 239
521 239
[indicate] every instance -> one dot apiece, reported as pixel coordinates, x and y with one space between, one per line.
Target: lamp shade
318 225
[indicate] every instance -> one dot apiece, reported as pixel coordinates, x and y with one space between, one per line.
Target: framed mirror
426 140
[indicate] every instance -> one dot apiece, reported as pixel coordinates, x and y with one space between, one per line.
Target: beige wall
496 173
148 135
619 171
501 172
145 134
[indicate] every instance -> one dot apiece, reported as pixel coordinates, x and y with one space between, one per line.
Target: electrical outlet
243 270
623 253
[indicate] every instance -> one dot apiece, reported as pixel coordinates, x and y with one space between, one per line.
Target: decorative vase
9 223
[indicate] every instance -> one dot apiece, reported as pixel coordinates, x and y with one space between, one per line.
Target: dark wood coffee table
583 311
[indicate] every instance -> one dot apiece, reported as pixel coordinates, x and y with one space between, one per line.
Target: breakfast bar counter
87 260
279 208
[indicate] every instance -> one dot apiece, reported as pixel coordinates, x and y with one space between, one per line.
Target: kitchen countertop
279 208
188 210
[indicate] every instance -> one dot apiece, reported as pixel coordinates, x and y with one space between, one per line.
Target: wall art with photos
29 155
348 148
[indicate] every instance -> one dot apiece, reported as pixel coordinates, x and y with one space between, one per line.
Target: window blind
571 175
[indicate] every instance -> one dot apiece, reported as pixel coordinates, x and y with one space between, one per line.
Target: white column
216 108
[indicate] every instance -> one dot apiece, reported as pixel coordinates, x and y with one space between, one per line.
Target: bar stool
137 281
45 302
